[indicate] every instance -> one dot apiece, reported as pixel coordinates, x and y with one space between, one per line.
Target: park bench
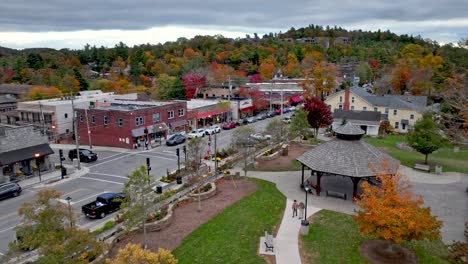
336 194
268 242
423 167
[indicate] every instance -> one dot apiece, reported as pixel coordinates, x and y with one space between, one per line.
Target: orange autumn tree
391 212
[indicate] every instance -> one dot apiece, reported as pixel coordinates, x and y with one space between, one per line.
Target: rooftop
119 105
199 103
356 115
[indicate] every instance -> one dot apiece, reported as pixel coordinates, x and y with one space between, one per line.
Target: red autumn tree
256 78
193 83
243 92
318 114
258 99
391 212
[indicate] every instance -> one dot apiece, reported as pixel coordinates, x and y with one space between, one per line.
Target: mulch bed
187 218
284 161
375 252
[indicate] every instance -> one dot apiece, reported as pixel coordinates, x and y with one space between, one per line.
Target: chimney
346 99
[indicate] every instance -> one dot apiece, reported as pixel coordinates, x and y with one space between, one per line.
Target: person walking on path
294 207
301 210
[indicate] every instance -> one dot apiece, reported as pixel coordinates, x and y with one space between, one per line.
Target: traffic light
62 158
177 151
148 166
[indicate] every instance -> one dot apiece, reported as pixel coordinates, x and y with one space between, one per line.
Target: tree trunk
316 133
425 161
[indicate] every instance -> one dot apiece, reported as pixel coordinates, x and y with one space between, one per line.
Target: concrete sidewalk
52 178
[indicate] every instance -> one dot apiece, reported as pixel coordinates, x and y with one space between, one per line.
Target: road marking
8 215
101 180
77 190
7 229
111 156
111 175
2 254
126 155
155 157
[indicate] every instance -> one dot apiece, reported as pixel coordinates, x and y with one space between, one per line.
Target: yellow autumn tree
292 68
319 80
135 254
391 212
40 92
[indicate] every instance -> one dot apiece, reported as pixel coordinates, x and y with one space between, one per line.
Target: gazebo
346 156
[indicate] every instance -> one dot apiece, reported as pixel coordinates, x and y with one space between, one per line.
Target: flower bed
161 219
270 154
211 191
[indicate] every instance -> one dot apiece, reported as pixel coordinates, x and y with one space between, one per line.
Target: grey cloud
62 15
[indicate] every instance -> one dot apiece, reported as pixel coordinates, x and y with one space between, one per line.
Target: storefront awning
210 113
140 131
178 123
247 109
25 154
295 99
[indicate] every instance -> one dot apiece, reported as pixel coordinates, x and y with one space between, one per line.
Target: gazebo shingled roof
347 155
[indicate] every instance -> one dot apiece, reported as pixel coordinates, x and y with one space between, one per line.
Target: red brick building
130 124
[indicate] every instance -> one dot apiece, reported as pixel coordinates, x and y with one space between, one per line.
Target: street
107 174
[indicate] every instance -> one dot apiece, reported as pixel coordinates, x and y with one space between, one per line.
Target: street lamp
37 156
68 199
304 223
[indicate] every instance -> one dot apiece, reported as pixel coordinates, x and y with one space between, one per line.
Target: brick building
129 124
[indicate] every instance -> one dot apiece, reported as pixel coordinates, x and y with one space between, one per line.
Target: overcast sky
72 24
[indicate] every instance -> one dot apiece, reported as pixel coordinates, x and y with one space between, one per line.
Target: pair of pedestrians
299 206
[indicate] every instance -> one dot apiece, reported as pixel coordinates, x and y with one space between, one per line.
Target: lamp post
304 223
37 156
69 210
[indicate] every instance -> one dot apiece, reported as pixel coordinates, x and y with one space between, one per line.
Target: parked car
86 155
216 128
292 108
242 122
209 131
287 119
251 119
278 111
271 113
175 139
261 116
260 136
10 189
105 203
230 125
196 133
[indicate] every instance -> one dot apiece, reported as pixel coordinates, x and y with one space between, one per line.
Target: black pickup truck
105 203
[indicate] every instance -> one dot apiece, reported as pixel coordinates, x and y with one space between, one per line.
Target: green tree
138 200
195 150
299 124
278 130
84 85
48 226
241 140
425 136
35 61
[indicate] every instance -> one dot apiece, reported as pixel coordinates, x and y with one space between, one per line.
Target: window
67 130
329 107
23 116
139 121
156 117
375 109
181 112
396 124
340 106
411 116
364 108
394 112
66 115
170 114
106 120
120 122
386 110
352 107
81 118
341 99
352 99
93 119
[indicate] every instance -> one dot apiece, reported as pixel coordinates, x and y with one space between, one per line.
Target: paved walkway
53 177
286 241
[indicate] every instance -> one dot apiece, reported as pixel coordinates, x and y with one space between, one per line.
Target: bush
108 225
203 189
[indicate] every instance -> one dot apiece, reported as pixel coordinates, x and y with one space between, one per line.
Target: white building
369 121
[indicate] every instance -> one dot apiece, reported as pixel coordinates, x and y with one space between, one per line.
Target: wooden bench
268 242
423 167
336 194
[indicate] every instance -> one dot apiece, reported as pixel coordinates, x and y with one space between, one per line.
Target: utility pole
215 154
75 127
42 119
282 102
271 93
229 99
89 131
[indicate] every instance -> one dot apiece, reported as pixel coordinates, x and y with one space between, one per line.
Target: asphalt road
107 174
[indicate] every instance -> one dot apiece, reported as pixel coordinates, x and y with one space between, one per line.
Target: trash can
179 180
159 189
64 171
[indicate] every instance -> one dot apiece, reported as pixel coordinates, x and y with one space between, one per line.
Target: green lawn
450 161
294 166
334 238
233 235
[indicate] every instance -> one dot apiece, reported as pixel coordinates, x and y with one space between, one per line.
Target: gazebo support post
319 176
302 182
355 185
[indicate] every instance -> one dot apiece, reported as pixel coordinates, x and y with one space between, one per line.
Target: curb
57 180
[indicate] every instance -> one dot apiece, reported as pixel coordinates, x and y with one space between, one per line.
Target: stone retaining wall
163 223
205 195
